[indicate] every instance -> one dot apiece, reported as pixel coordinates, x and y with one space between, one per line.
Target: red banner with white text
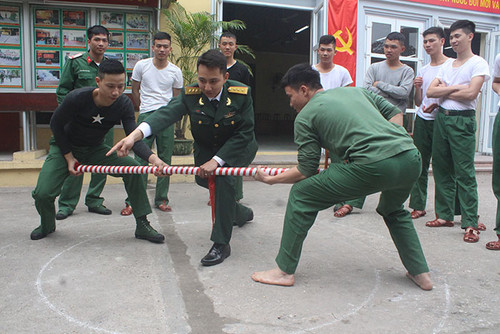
145 3
342 24
489 6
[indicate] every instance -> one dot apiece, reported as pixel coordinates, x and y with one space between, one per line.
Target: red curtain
342 23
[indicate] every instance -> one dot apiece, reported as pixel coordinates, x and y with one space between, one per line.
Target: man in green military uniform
380 156
81 71
222 124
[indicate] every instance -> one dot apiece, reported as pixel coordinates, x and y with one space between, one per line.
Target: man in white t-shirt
495 141
154 82
434 39
457 85
331 75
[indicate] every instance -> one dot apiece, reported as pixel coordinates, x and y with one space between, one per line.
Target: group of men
362 128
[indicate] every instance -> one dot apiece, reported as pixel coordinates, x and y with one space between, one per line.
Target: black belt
466 113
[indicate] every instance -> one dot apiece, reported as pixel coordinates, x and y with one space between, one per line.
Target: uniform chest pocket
199 119
85 76
232 121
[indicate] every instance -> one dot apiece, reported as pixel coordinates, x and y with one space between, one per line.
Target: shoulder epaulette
192 90
76 56
238 90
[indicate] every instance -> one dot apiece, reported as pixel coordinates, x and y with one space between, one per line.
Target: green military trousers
55 171
228 211
394 177
422 137
453 150
164 148
496 167
70 192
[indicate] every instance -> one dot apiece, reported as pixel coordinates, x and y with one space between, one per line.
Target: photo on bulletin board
74 38
48 58
47 18
133 58
137 22
74 18
10 36
47 78
112 20
9 15
47 37
115 40
137 41
115 56
69 54
10 58
10 78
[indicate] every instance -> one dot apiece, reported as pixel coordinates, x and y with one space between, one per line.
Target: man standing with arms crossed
81 71
392 80
154 82
457 85
495 245
222 123
424 122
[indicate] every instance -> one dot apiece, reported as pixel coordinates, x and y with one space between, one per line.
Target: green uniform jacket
227 132
79 71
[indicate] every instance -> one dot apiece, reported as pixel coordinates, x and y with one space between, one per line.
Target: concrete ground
93 276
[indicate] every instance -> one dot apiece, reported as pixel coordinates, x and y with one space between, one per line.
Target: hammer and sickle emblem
346 46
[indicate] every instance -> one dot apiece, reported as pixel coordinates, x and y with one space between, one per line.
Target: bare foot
274 276
423 280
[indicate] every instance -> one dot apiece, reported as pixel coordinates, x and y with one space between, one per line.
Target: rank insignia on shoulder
238 90
192 90
76 55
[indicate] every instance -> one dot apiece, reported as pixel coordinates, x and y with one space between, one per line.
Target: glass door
492 104
319 26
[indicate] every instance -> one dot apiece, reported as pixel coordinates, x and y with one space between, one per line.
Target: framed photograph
137 41
68 54
133 58
112 20
137 22
115 40
129 79
74 38
74 18
10 36
47 37
10 58
47 18
10 78
47 78
115 56
9 15
48 58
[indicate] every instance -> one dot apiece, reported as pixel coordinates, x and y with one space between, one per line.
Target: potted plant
193 33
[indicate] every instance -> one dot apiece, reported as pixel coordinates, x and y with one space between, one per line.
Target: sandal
127 211
471 235
437 223
415 214
494 245
481 226
164 207
343 211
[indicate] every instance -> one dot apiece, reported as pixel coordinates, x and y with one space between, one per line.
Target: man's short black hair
213 59
97 30
110 66
466 25
161 35
438 31
397 36
327 39
301 74
227 34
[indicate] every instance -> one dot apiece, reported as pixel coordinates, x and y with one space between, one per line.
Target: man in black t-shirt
79 125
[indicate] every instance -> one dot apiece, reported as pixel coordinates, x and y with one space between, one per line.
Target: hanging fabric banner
342 24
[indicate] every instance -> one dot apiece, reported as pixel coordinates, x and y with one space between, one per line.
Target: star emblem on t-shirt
97 118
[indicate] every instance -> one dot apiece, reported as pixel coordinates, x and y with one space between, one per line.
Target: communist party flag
342 23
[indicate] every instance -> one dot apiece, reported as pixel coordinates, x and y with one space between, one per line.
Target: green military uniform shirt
79 71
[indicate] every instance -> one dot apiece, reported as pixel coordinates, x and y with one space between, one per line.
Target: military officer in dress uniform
222 124
81 71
